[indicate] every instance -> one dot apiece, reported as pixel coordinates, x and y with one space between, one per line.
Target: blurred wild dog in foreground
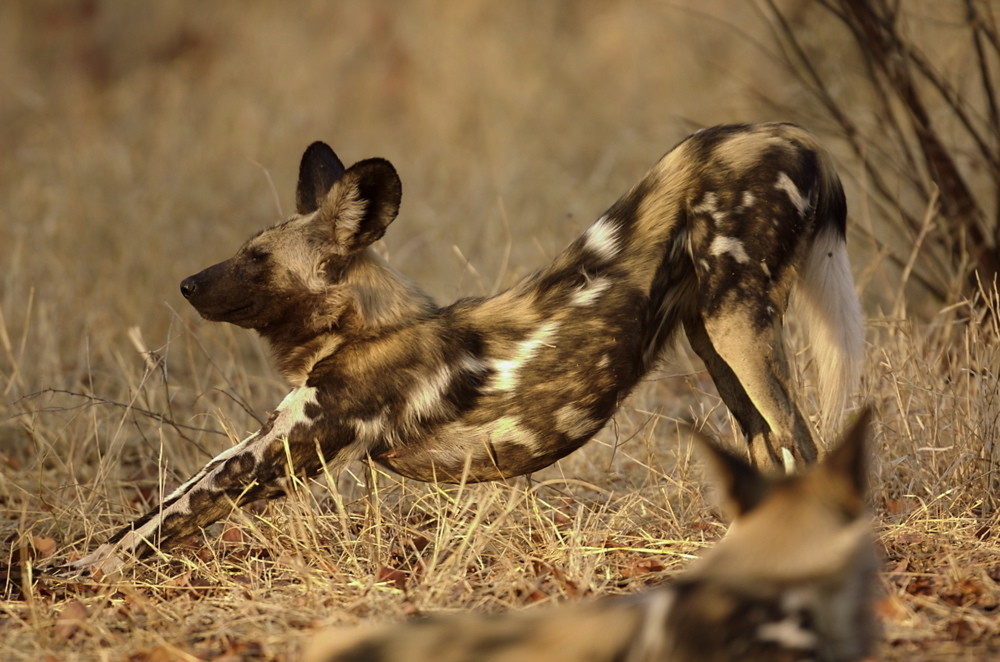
792 580
715 238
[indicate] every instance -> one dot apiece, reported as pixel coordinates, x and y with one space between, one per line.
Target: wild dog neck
369 298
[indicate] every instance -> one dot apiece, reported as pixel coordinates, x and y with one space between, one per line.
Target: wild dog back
792 581
713 238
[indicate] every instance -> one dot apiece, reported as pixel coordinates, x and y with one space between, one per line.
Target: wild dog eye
258 255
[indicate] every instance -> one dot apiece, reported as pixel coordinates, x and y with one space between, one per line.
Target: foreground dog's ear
846 467
742 487
319 169
362 204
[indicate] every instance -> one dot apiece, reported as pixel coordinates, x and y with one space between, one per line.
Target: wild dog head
797 569
307 276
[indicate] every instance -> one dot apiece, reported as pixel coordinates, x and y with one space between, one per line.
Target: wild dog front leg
253 469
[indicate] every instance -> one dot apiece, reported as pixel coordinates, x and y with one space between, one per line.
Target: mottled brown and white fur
792 581
714 239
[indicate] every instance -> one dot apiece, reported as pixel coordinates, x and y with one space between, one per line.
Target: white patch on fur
602 238
708 205
786 184
290 412
369 430
507 430
589 292
573 421
427 397
765 268
747 200
506 370
469 363
788 633
729 245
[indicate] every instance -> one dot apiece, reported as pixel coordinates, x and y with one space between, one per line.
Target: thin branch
818 87
93 400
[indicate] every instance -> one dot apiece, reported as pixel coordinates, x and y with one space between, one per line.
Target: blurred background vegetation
142 141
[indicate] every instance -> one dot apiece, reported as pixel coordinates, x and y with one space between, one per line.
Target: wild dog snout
189 286
218 296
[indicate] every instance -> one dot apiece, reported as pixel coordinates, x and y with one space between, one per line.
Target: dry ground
143 141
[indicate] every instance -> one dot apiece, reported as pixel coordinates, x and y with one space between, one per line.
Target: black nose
188 287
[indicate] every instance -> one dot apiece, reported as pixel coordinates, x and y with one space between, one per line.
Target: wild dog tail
827 304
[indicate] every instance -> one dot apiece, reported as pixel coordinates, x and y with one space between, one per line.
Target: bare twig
93 400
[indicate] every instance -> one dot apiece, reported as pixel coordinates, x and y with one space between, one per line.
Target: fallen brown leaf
70 620
233 534
392 576
44 546
642 567
158 654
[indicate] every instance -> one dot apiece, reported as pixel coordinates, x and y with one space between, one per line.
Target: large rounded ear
319 169
847 465
741 487
362 204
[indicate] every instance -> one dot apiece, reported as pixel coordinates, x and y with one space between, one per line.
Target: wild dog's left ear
742 487
318 170
362 204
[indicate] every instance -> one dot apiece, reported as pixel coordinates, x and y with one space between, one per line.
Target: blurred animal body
792 581
714 239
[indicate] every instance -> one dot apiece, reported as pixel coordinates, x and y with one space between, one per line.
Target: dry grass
144 141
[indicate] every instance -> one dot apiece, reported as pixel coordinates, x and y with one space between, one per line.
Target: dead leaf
418 543
968 592
641 567
158 654
909 538
559 518
536 595
44 546
920 586
70 620
392 576
893 506
194 585
233 534
889 609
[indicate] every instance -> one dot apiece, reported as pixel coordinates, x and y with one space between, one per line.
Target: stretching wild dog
715 238
793 580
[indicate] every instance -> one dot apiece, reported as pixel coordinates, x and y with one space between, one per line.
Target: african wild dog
793 580
715 238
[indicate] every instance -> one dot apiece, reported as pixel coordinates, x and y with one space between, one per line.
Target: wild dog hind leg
748 365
